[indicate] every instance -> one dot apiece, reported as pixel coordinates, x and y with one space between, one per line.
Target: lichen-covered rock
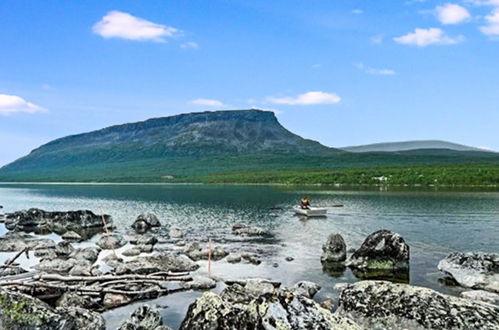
386 305
64 249
161 262
109 241
246 230
144 317
382 251
475 270
40 221
71 299
22 312
277 309
335 249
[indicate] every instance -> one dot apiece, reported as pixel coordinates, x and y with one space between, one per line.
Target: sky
342 72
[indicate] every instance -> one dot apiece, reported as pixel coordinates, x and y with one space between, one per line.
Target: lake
433 223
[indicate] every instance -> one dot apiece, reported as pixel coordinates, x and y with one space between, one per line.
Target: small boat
311 212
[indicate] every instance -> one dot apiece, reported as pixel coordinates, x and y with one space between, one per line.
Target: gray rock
132 252
199 283
145 221
63 249
57 265
40 221
234 258
71 299
475 270
335 249
71 236
251 258
246 230
195 252
111 241
386 305
289 259
145 248
280 309
81 270
176 232
162 262
143 318
12 270
90 253
340 286
22 312
143 240
481 295
383 250
306 288
112 300
14 242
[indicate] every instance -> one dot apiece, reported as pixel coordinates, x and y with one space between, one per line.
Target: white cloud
377 39
308 98
208 102
451 13
189 44
357 11
117 24
369 70
492 27
10 104
425 37
494 3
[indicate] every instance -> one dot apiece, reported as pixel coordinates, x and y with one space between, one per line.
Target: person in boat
305 203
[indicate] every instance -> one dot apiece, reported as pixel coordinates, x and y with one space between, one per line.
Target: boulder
144 317
143 240
63 249
199 283
22 312
386 305
71 236
71 299
246 230
40 221
162 262
195 252
265 308
234 258
14 242
334 250
110 241
176 232
481 295
476 270
251 258
145 221
132 252
383 253
306 288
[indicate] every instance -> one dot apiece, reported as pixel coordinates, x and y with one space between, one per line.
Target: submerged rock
109 241
246 230
144 317
176 232
22 312
383 253
386 305
195 252
260 306
199 283
40 221
334 250
475 270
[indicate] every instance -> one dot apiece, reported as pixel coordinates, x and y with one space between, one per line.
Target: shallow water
433 223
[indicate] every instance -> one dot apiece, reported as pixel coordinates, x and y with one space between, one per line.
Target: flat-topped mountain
410 145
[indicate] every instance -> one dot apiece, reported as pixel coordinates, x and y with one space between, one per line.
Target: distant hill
191 145
410 145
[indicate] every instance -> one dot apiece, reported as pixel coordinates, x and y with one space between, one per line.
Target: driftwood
133 286
9 262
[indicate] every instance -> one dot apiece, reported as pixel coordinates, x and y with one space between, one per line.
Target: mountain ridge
411 145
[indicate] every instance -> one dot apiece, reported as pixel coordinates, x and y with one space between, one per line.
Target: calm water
433 223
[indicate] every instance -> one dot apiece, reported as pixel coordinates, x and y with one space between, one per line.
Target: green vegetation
425 175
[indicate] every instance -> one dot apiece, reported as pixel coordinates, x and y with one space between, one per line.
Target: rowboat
311 212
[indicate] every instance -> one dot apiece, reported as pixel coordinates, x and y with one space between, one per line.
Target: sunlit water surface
433 223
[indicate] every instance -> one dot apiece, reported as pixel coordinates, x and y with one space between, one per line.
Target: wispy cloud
426 37
369 70
451 13
189 44
10 104
208 102
492 27
357 11
309 98
117 24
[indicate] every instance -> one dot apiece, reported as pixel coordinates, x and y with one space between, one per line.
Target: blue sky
340 72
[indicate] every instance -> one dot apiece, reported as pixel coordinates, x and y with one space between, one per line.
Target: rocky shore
93 268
